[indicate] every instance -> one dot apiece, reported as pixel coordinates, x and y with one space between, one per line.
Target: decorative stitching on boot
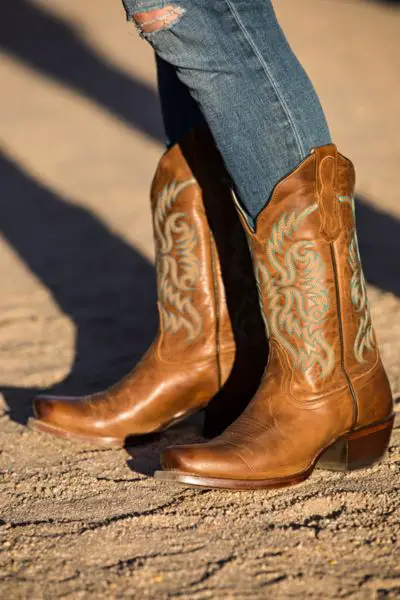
293 277
365 338
178 267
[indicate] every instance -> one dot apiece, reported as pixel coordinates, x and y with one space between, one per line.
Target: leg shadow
102 283
379 239
48 45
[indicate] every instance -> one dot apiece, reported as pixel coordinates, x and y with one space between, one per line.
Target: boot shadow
379 239
145 451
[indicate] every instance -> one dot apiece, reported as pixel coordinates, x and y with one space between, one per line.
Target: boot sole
105 442
43 427
356 450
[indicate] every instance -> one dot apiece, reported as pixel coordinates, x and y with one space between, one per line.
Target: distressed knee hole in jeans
158 19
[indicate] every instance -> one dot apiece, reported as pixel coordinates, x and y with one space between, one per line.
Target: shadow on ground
390 2
101 282
379 238
50 46
145 451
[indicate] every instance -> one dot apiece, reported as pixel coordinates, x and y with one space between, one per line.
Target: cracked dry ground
77 299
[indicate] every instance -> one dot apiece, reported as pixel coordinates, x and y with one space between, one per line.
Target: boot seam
217 312
212 245
350 386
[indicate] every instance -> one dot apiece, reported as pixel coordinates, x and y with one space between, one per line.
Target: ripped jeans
228 62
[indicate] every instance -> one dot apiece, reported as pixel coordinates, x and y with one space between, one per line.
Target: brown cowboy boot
325 398
207 348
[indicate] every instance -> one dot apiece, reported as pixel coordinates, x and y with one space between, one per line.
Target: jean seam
271 79
143 7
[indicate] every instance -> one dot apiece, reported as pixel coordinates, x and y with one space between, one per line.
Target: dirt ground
80 135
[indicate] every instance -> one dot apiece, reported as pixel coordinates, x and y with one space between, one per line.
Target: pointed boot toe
54 414
44 405
50 409
204 465
69 417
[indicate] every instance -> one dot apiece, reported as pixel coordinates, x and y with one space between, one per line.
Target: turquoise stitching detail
293 278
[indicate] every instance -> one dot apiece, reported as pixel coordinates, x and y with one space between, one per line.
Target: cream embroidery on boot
293 279
178 268
365 338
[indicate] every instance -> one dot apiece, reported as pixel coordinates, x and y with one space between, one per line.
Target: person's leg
256 98
324 398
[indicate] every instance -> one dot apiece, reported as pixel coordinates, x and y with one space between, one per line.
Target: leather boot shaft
312 287
207 294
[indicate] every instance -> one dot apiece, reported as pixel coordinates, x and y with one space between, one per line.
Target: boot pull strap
326 181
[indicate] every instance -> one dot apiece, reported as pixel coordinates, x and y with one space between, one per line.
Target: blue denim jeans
229 62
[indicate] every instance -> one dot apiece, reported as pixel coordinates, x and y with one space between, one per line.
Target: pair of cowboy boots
324 398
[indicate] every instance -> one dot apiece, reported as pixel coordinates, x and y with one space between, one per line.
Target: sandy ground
80 135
